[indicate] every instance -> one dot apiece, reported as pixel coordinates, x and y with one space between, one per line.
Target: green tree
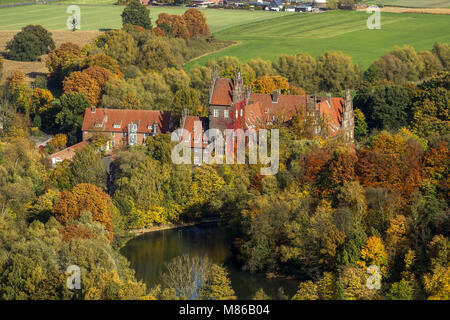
299 69
385 107
360 124
137 14
88 167
70 117
30 43
336 72
187 98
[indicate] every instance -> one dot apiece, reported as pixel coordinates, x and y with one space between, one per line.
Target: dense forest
330 212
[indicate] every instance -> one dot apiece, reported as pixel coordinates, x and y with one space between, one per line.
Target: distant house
276 5
289 9
320 3
125 127
204 3
303 8
67 153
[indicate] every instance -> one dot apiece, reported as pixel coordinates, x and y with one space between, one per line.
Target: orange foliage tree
267 84
104 61
172 25
195 23
394 162
85 197
340 169
99 74
63 60
82 82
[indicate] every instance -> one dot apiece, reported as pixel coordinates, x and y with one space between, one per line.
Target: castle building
233 106
120 127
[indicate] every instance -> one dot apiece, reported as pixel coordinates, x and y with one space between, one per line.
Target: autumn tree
104 61
307 290
268 84
442 51
217 285
119 45
58 142
173 25
62 61
195 23
99 74
80 82
374 253
156 54
85 197
40 100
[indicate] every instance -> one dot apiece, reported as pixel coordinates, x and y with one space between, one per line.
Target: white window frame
226 113
216 113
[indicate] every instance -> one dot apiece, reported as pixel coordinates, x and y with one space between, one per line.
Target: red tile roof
69 152
332 113
117 120
261 109
223 92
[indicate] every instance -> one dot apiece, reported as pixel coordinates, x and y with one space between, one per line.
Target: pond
149 252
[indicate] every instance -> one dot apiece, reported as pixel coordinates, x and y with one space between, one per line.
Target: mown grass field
412 3
266 34
96 17
339 30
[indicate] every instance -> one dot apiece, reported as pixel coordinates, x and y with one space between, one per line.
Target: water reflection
149 252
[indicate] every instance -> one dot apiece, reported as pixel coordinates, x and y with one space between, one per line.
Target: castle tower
214 77
238 86
348 119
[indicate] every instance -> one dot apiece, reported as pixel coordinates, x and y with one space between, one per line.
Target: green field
266 34
338 30
95 17
412 3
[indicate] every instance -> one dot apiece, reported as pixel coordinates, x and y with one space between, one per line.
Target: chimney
329 98
93 109
275 95
154 128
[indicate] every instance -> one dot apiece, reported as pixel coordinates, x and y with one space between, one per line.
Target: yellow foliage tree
374 253
437 283
58 142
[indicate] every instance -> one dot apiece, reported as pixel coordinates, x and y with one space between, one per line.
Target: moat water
148 254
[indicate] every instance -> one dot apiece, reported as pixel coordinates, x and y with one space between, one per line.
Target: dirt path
211 52
414 10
